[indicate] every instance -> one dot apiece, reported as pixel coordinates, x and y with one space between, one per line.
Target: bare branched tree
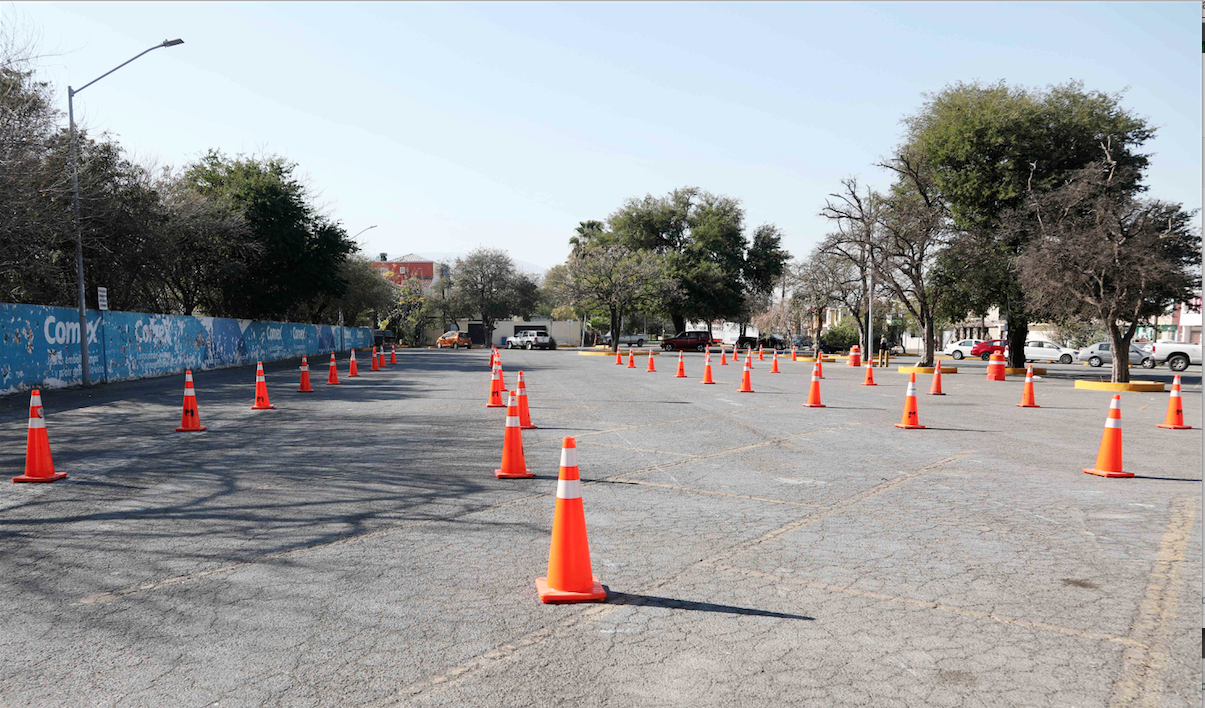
855 215
913 229
1099 252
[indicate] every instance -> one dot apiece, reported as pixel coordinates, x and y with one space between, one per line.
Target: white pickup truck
530 339
1178 355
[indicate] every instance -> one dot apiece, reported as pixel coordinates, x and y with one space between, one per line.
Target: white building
1187 320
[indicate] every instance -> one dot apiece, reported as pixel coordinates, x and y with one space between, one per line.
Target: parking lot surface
352 546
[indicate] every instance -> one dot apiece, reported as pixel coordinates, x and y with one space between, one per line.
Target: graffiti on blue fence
40 345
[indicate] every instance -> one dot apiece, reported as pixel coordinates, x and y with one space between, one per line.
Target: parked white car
1041 350
1099 354
1178 355
961 348
638 339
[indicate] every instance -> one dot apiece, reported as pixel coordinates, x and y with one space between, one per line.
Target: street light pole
79 229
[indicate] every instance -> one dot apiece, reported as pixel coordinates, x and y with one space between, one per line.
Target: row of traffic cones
1108 458
570 577
39 465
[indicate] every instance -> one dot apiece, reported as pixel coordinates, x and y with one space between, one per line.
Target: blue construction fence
39 345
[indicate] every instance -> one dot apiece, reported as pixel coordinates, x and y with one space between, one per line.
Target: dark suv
697 341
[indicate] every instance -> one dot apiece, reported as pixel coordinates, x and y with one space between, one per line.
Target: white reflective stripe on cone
260 378
38 422
190 392
1115 403
1113 423
911 389
569 489
35 401
1175 393
569 457
512 421
305 368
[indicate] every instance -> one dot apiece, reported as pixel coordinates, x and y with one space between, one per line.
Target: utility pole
79 229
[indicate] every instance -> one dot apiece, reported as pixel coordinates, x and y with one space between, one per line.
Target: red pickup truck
696 341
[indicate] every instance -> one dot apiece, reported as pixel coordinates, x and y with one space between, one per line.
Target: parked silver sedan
1099 354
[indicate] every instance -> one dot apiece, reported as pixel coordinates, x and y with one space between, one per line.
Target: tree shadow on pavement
623 598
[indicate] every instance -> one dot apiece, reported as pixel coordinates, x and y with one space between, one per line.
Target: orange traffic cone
39 467
746 383
631 358
749 358
935 389
707 369
373 366
332 377
855 356
514 466
352 369
911 417
493 357
869 380
652 368
814 391
723 357
761 356
995 367
618 357
190 420
393 355
1027 399
524 414
305 376
501 376
1174 420
793 352
570 578
819 364
261 389
774 365
495 389
1108 460
681 368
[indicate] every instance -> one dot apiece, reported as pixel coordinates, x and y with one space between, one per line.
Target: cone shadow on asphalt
624 598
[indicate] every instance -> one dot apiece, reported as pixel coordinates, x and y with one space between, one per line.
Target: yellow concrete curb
596 353
810 360
927 369
1013 371
1141 386
622 352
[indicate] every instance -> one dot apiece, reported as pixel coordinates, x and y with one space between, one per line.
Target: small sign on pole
102 298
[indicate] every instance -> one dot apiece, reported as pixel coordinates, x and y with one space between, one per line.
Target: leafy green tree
485 286
202 239
989 145
764 267
295 271
701 236
366 297
615 278
408 315
525 296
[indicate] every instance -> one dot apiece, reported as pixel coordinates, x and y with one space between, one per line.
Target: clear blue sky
452 126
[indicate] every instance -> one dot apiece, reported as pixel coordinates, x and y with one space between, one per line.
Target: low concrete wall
39 345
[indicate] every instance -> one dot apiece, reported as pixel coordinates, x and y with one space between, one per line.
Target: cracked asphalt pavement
352 546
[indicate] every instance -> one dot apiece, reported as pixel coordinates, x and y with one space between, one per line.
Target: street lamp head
171 42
